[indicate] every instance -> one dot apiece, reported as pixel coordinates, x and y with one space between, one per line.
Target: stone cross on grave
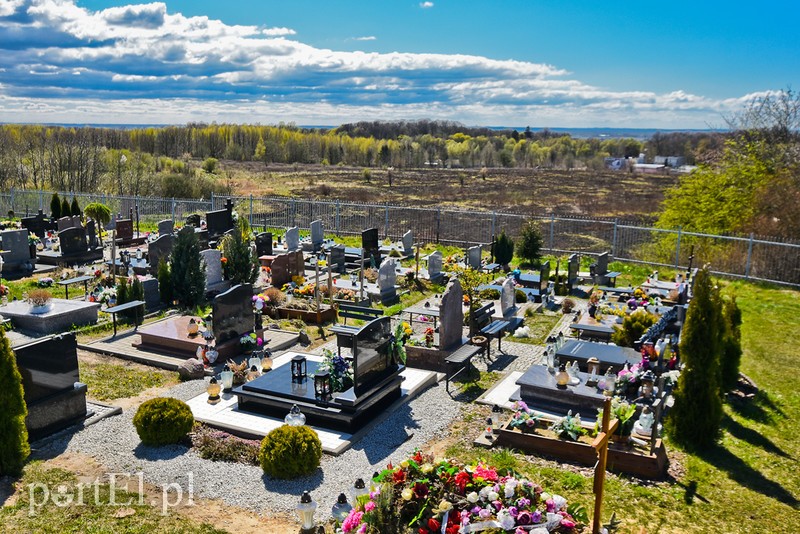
600 444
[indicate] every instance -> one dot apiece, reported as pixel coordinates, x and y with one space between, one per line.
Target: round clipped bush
162 421
290 452
520 296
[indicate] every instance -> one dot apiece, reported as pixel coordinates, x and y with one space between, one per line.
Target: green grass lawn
108 381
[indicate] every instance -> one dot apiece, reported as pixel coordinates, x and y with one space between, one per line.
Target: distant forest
125 161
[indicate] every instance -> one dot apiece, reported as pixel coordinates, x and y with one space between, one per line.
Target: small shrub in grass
162 421
290 452
489 294
219 446
567 305
520 296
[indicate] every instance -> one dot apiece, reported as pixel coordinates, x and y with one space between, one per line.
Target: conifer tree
503 249
55 206
695 418
75 209
241 264
188 274
731 355
164 282
66 209
14 447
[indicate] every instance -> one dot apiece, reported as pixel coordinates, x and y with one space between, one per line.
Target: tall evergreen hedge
188 274
14 447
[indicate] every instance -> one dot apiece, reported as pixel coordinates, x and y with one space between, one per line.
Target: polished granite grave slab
609 355
538 389
63 314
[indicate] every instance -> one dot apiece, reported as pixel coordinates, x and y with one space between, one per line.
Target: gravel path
113 442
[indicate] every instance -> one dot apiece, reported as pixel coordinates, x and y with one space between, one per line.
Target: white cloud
426 5
142 64
277 32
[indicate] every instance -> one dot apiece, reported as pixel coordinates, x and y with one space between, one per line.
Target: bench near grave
345 334
114 310
459 361
494 329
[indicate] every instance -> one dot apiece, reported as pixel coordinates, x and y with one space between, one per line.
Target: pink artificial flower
352 520
259 341
370 506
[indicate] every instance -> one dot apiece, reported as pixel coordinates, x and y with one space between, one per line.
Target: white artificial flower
472 497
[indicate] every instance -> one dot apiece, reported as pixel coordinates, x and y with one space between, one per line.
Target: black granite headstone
572 269
544 277
374 358
159 249
48 367
218 222
91 232
264 244
370 244
72 241
232 313
338 258
124 229
193 220
38 224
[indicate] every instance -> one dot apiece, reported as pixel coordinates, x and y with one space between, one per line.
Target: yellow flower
426 468
407 494
404 464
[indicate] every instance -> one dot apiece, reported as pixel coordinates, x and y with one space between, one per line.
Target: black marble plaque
279 382
374 359
232 313
48 366
124 229
264 244
218 222
572 269
371 246
72 241
38 224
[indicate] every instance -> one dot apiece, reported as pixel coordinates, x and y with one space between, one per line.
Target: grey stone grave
54 395
408 242
159 249
299 266
317 235
572 271
17 255
474 257
451 316
338 258
232 313
264 244
64 223
508 297
435 266
371 246
212 258
387 277
152 297
292 239
166 226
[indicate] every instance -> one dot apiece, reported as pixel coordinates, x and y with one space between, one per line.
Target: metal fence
746 257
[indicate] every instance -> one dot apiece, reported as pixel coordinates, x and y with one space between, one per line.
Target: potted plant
569 427
39 299
249 342
623 412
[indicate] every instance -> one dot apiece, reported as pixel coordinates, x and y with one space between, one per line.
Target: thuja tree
503 249
187 273
695 418
529 245
55 206
731 355
241 265
14 448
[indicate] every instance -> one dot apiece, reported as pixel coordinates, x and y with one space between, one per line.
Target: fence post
41 200
678 247
173 209
11 201
552 231
337 216
494 224
438 223
251 211
294 208
386 223
749 257
614 241
212 201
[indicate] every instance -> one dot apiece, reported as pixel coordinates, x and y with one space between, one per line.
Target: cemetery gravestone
387 277
317 235
160 249
280 270
37 225
338 258
17 255
73 241
408 242
124 230
508 296
232 313
213 261
91 231
602 264
474 257
167 226
64 223
192 220
218 222
264 244
572 270
152 298
369 242
299 266
451 316
292 239
435 266
77 222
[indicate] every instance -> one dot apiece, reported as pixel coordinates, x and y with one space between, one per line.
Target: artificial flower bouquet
340 370
427 496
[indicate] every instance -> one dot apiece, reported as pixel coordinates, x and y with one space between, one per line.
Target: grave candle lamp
647 383
295 417
213 390
497 417
341 509
299 369
562 377
252 374
192 328
305 511
266 362
358 489
322 385
226 376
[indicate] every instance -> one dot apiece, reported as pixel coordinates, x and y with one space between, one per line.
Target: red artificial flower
224 259
434 525
399 477
462 479
420 490
417 457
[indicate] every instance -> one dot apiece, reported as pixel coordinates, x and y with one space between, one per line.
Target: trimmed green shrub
633 326
122 291
14 448
503 249
136 292
75 208
529 246
731 355
164 282
163 420
290 452
489 294
242 265
55 206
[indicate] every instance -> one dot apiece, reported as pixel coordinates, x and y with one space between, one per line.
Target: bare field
525 191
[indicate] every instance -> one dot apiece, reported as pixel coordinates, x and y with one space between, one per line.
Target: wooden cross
416 272
600 444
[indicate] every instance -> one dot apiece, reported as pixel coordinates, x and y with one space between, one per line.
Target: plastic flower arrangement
4 290
306 290
569 427
45 281
624 412
401 333
298 280
250 341
429 337
341 372
524 417
432 496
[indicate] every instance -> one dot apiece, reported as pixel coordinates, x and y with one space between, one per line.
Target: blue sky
513 63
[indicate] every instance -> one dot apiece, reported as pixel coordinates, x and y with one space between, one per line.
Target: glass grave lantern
213 391
305 511
322 385
497 417
648 378
295 417
358 489
226 377
266 362
609 383
299 368
341 509
252 374
255 359
562 377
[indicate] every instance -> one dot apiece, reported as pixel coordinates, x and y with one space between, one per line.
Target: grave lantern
358 489
305 511
497 416
295 417
322 384
138 254
647 383
593 365
562 376
252 374
299 367
341 509
266 362
226 376
609 384
192 328
213 390
254 360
